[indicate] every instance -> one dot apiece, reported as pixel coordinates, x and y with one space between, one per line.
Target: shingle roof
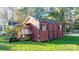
42 20
47 20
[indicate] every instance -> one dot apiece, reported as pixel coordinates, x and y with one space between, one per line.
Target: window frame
42 25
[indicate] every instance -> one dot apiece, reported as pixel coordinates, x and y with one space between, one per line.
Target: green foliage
67 30
76 26
9 29
57 14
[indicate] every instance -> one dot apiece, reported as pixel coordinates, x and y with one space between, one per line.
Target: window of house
43 26
1 28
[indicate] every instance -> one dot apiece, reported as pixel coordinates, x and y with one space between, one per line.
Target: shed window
60 27
43 26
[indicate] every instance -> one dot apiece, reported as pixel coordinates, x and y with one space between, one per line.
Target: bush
76 26
9 29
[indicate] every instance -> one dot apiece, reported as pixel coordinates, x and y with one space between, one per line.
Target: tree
57 14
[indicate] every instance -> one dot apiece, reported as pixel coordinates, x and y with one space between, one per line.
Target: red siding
60 34
50 27
35 33
55 27
50 31
51 35
55 35
43 35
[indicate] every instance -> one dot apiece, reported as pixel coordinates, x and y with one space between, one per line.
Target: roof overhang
27 19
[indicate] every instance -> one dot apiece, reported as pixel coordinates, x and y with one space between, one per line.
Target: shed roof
44 19
41 20
47 20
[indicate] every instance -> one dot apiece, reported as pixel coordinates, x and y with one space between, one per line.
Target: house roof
14 23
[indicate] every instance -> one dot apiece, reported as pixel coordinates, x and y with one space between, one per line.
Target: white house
2 23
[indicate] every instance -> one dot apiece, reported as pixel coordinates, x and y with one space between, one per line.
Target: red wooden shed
44 29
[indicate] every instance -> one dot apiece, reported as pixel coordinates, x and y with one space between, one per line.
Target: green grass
64 44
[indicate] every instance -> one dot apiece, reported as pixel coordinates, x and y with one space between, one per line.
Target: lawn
64 44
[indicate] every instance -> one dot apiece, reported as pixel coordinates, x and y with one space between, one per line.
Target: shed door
50 31
43 32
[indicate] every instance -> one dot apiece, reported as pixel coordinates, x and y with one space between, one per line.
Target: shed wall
35 29
43 33
52 31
